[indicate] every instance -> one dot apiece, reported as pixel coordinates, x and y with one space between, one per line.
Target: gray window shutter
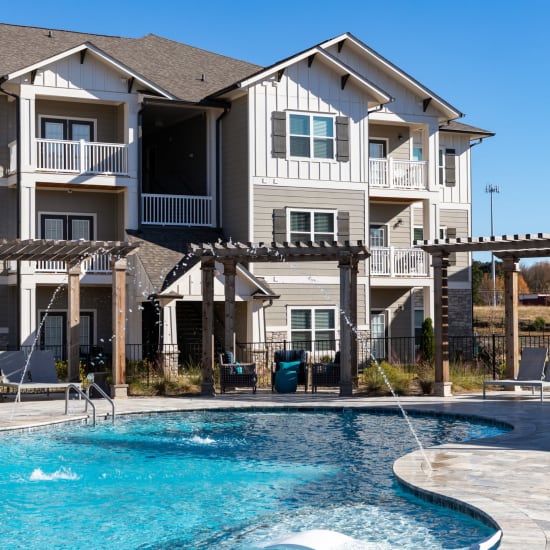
451 234
342 138
343 226
450 167
278 124
279 225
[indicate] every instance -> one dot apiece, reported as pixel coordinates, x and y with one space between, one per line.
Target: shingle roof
459 127
164 251
177 68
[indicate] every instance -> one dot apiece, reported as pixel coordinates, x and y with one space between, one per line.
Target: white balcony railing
398 262
176 210
82 157
397 174
94 264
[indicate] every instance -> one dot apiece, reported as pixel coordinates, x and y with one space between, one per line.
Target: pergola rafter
229 254
509 248
73 253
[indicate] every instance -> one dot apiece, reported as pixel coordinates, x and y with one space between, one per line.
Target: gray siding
105 206
398 148
268 198
399 233
235 184
8 210
307 295
457 219
108 123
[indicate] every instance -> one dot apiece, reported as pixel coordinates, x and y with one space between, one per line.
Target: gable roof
460 128
183 71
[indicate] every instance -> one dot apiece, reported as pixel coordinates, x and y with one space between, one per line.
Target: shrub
374 381
427 341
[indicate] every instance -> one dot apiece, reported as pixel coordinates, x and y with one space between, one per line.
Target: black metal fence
474 353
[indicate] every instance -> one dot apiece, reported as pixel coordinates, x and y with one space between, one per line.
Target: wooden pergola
510 249
230 254
73 253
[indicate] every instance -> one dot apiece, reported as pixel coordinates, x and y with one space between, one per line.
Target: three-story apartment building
109 138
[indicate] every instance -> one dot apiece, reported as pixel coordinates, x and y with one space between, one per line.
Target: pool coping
502 480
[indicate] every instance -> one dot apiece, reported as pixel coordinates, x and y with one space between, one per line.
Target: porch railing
176 210
397 174
94 264
82 157
398 262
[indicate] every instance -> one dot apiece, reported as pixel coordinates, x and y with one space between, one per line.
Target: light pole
491 189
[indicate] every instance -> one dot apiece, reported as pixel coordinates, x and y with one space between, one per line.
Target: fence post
494 356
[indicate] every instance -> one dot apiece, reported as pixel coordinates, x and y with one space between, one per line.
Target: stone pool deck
506 477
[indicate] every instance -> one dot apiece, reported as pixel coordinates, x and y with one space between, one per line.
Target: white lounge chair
40 375
530 372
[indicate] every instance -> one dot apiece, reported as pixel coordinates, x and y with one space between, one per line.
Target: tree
427 342
537 276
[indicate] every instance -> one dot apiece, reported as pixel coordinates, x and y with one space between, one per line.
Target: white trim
331 307
317 184
93 215
379 94
87 45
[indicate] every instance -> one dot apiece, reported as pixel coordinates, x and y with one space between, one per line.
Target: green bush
374 380
427 342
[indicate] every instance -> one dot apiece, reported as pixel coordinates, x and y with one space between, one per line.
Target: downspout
218 165
18 199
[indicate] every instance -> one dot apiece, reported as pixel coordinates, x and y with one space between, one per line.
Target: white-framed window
313 327
447 167
378 148
378 236
443 232
67 226
311 135
418 321
378 334
311 225
418 233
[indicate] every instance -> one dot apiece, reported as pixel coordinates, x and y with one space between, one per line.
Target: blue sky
488 58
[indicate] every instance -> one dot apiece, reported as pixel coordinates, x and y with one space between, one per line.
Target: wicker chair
288 356
236 375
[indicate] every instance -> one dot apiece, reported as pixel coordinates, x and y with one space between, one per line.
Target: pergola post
442 386
346 386
229 271
354 336
119 387
207 269
511 270
73 323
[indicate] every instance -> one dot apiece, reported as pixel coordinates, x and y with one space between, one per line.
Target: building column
442 386
346 386
27 307
229 271
119 387
511 270
73 323
170 351
207 269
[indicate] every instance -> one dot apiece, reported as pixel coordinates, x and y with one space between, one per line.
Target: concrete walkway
506 478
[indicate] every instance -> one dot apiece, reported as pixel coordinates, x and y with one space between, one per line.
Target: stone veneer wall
460 312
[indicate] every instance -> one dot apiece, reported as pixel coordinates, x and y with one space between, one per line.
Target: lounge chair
236 375
289 370
40 375
530 373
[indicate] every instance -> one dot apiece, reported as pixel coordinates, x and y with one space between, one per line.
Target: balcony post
82 156
392 261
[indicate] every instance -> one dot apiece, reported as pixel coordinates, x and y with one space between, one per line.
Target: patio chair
41 374
236 375
292 365
326 374
530 372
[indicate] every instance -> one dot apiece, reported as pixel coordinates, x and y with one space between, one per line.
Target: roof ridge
67 31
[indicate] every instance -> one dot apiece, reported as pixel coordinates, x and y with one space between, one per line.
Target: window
54 330
378 334
447 170
311 136
67 129
66 226
418 233
418 321
378 148
378 236
312 225
313 328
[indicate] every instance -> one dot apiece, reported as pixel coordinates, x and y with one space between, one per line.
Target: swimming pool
225 479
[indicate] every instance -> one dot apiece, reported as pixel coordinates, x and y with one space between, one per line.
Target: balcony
176 210
82 157
94 264
397 174
398 262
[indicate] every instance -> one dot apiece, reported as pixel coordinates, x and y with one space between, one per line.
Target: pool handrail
72 386
103 394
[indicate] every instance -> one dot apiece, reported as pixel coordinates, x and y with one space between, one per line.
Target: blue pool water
225 479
